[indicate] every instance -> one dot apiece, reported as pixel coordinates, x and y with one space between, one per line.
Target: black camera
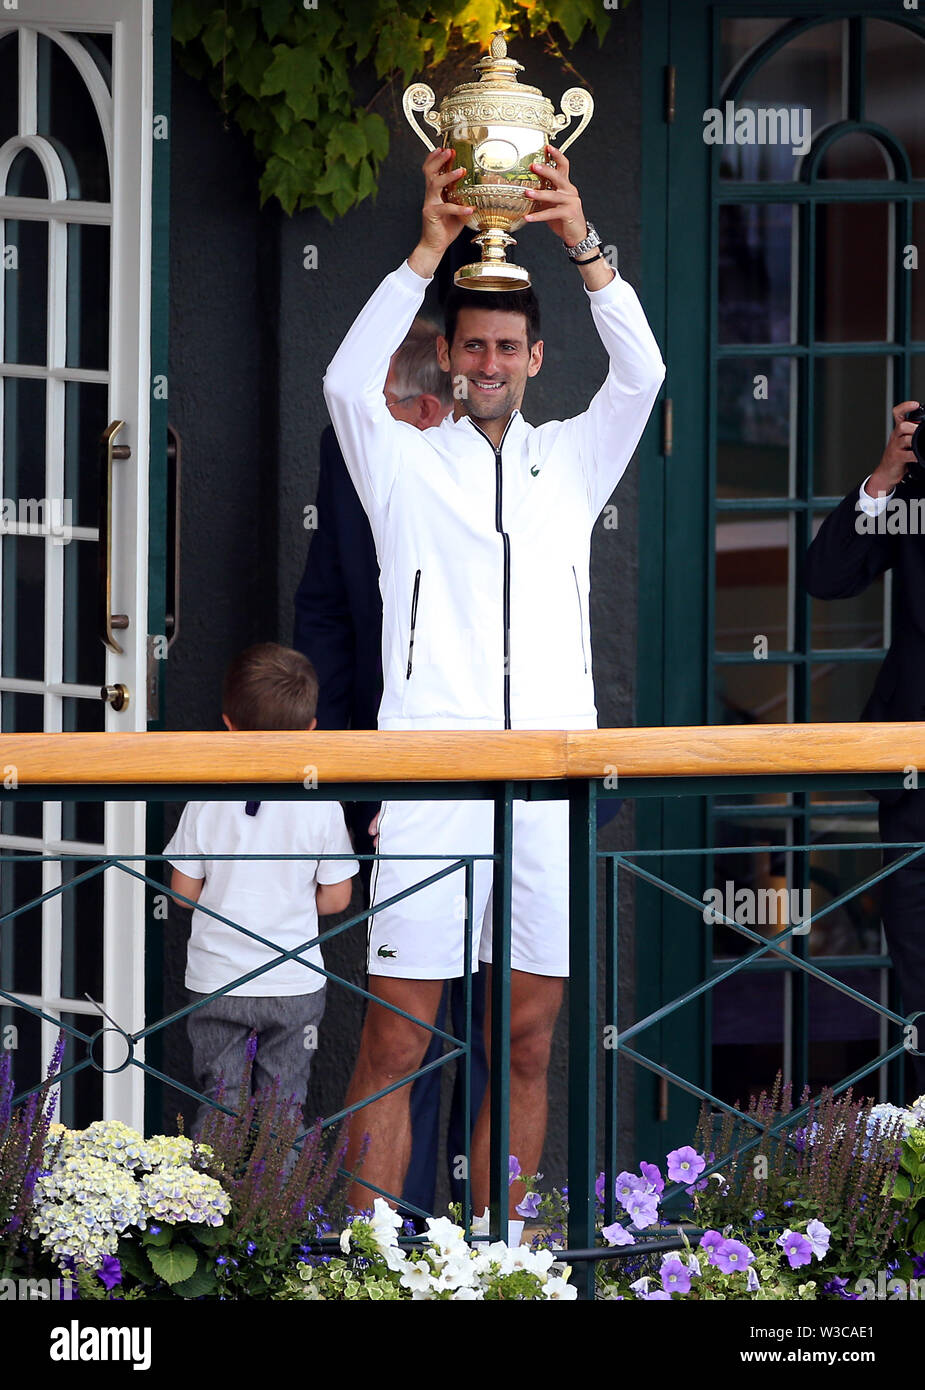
917 442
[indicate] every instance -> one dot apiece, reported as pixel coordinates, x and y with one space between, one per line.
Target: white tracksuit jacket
486 552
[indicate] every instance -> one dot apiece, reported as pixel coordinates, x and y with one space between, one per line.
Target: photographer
850 551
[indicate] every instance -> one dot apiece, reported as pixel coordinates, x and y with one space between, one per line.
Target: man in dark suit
338 626
868 533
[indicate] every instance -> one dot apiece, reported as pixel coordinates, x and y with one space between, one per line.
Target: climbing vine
285 72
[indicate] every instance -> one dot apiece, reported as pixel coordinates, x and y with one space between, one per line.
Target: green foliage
285 74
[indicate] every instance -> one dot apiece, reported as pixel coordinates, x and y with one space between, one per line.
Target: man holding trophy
483 532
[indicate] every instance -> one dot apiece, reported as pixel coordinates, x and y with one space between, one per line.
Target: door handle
174 469
108 621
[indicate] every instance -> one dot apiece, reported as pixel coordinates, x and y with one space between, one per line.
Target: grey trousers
287 1035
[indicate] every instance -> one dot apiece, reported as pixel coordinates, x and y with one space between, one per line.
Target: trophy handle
575 102
420 97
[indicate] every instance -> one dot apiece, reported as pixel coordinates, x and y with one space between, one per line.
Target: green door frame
158 558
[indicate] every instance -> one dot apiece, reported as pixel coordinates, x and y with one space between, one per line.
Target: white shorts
423 936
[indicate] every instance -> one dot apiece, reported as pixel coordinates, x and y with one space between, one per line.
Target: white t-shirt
275 898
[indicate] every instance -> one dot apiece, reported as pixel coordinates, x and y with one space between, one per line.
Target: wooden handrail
463 755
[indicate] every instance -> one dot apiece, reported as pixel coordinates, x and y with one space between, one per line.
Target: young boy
266 687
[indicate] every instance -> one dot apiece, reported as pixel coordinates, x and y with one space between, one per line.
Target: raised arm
605 436
370 440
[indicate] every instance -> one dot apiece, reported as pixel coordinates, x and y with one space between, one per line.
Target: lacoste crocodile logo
534 470
386 951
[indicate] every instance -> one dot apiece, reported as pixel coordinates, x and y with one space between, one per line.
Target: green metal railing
586 1140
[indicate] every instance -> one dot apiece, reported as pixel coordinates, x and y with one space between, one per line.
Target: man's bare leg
390 1047
535 1004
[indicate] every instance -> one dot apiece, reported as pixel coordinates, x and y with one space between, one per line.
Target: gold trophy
497 129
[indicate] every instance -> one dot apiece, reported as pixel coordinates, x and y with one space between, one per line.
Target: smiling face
489 351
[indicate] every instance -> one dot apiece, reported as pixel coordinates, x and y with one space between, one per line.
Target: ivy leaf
376 133
572 16
173 1265
366 181
281 179
296 73
252 68
215 37
346 140
187 19
274 14
337 179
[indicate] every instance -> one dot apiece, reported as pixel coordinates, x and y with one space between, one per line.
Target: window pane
843 1035
84 656
23 652
854 928
895 79
66 115
918 378
25 310
26 178
87 296
748 1034
754 426
856 156
738 37
85 418
853 251
807 75
839 690
850 424
21 939
9 87
756 272
23 438
82 931
755 694
752 583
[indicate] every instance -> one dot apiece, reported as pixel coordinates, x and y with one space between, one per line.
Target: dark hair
270 687
499 301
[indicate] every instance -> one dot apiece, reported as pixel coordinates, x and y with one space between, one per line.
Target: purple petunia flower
839 1286
617 1235
657 1296
529 1207
818 1236
627 1185
675 1276
732 1255
599 1186
796 1247
918 1266
653 1176
711 1241
513 1169
109 1272
685 1164
643 1208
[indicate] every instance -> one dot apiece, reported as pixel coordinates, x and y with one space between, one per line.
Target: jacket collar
513 431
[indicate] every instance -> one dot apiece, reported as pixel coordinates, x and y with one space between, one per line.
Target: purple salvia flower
251 1050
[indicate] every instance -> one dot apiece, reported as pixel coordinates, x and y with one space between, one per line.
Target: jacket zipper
414 617
506 593
581 621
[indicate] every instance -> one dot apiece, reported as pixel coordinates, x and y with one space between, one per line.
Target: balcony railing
582 767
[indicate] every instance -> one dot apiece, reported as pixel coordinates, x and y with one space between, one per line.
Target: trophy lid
496 66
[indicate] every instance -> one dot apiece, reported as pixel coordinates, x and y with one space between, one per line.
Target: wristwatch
581 248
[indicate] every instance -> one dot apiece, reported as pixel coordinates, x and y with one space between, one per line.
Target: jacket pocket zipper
414 616
581 620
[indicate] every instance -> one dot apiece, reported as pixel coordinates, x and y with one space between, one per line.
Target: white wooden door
75 230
